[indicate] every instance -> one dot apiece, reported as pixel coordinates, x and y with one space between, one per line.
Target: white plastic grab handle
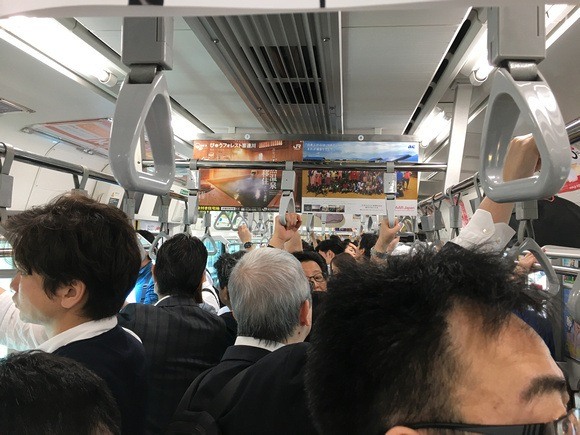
573 303
553 284
287 204
534 101
142 106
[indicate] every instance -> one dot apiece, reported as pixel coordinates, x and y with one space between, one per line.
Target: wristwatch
248 245
381 255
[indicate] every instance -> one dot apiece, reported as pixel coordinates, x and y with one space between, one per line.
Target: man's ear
153 273
72 294
401 430
306 313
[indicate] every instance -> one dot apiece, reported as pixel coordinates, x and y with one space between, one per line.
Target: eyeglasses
316 278
567 425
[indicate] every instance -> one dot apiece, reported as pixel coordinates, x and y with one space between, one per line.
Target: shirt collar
83 331
251 341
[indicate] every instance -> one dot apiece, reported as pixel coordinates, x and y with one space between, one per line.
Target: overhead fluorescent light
54 41
55 45
563 24
435 124
183 128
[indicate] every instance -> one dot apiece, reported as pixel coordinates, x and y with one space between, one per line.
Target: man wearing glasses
314 268
435 344
433 347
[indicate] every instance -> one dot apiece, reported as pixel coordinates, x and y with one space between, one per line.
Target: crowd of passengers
341 339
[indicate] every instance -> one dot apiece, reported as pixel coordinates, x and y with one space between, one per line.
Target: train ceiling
361 72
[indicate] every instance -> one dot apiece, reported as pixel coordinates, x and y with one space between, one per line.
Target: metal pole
56 165
355 166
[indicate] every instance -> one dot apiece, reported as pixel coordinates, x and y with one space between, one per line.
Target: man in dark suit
181 340
224 266
271 301
76 261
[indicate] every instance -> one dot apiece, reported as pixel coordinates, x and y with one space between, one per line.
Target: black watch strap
248 245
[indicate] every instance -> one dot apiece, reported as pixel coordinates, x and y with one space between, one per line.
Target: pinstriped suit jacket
181 340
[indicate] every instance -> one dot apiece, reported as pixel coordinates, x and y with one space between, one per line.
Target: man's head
430 338
329 248
180 266
314 268
270 296
367 241
224 266
81 254
49 394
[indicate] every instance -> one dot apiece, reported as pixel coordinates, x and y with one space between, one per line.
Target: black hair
330 245
342 261
224 265
180 266
147 235
307 246
381 353
334 238
367 241
42 393
77 238
312 256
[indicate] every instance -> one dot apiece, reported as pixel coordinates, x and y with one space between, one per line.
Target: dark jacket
119 359
181 341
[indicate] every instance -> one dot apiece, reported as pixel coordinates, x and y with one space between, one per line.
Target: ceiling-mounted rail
56 165
332 165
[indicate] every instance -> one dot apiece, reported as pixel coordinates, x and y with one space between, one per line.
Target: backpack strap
219 404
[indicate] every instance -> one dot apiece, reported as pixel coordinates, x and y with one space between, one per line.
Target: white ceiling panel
195 82
389 60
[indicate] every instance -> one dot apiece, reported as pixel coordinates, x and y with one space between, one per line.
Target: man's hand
521 161
244 233
387 235
284 233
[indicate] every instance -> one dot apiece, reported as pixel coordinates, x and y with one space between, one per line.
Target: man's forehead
311 266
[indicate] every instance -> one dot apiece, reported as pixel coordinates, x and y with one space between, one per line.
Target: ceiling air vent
285 67
11 107
292 74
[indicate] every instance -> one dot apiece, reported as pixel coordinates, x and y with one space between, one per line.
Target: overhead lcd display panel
244 189
358 192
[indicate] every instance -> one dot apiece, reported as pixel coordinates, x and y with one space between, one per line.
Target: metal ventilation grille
285 67
11 107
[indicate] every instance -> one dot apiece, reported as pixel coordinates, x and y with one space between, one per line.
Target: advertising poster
245 189
358 192
573 181
90 134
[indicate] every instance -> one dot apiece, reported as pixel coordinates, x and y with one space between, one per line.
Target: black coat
181 341
119 359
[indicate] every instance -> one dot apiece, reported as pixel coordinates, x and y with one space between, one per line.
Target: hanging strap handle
287 203
144 104
6 185
454 213
223 222
532 99
207 234
80 185
238 220
390 190
164 226
193 184
530 245
573 303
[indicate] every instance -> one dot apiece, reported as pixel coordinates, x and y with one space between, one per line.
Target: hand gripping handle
529 244
534 101
139 107
287 204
